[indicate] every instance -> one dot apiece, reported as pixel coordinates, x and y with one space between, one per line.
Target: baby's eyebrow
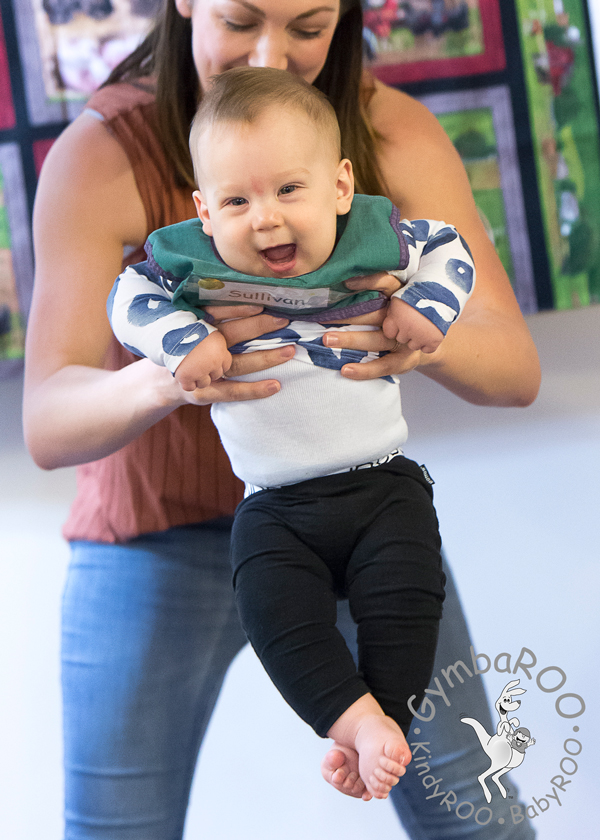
289 173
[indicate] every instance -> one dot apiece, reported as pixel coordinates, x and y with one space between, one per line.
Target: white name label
211 289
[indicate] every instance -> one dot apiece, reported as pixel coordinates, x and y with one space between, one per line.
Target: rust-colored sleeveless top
176 473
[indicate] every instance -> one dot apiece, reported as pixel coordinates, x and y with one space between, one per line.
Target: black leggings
370 535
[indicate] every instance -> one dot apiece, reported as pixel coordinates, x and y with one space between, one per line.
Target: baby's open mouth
280 256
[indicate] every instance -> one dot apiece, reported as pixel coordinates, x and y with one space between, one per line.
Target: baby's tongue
280 253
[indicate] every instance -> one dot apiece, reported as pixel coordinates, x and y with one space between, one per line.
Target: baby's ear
202 211
345 187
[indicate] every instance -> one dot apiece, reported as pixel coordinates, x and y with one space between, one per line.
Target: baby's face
270 192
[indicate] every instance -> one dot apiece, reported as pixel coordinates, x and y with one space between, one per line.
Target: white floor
517 492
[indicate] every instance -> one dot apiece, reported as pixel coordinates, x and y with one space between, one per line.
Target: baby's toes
397 751
389 766
389 779
378 789
340 776
354 785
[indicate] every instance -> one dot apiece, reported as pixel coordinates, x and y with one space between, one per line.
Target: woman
149 627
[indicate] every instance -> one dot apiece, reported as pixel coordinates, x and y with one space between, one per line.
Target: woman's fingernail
348 370
331 340
280 321
288 352
272 388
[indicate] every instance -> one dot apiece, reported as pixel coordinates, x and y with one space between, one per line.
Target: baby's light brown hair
242 94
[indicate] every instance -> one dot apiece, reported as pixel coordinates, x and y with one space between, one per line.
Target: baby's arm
145 321
437 283
408 326
208 361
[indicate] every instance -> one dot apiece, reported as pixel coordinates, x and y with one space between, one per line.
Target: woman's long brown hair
166 56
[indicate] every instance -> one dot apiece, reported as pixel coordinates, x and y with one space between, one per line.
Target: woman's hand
399 358
249 323
81 413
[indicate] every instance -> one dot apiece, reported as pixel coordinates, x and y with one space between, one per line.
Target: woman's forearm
81 414
503 367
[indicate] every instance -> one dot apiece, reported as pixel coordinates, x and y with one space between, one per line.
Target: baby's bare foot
381 746
340 768
383 754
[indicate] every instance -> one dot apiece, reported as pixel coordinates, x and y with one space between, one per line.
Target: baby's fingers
193 383
225 313
245 329
381 282
429 346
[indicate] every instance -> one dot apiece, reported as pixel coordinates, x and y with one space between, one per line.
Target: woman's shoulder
87 167
90 145
116 143
402 121
421 168
86 149
116 99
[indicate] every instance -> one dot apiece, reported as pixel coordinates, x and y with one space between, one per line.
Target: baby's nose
267 217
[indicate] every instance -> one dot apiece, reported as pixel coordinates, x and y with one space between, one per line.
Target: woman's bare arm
87 209
488 356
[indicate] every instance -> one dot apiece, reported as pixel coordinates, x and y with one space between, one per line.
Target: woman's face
289 35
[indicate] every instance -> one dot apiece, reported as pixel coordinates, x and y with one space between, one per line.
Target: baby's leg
287 605
395 589
288 608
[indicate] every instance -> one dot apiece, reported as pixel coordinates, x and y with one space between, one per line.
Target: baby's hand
207 362
408 326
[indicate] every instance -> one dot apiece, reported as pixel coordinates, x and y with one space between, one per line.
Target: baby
332 508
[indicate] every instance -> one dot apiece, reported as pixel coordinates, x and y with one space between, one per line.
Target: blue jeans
149 630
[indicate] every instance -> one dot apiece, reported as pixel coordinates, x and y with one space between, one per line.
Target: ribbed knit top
176 473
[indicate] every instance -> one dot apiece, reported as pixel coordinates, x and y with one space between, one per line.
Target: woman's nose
270 50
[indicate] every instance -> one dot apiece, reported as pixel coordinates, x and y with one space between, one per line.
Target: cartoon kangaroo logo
505 749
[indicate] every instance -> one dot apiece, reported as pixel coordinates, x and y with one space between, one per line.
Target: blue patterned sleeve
440 276
145 321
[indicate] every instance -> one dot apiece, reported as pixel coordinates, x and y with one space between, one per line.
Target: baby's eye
237 202
289 188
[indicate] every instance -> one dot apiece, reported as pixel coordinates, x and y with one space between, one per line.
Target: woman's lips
280 258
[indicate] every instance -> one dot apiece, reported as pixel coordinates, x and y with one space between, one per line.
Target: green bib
369 240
